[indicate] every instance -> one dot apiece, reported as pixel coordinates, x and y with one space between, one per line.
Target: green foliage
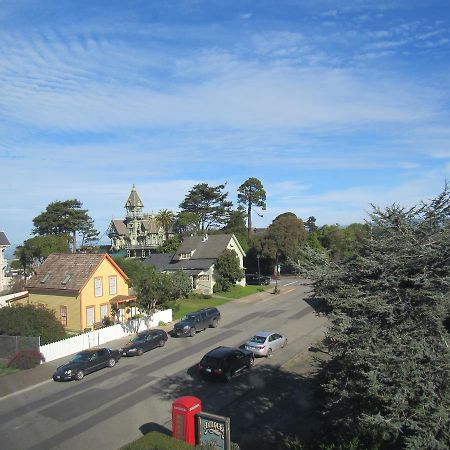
28 320
310 224
65 218
387 382
229 269
165 219
209 203
186 223
34 250
25 359
342 242
250 194
285 236
160 290
133 268
170 245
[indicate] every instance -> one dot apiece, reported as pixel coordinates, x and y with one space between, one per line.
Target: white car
264 343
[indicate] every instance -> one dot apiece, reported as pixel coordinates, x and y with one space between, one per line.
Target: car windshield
258 339
189 317
81 357
138 339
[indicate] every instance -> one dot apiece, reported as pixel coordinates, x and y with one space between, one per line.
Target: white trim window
103 311
113 285
90 316
98 286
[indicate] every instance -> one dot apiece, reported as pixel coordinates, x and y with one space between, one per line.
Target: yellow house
80 288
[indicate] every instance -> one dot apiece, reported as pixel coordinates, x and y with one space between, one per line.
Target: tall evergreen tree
64 218
251 194
209 203
387 383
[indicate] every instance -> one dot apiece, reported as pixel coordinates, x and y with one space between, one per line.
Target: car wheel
79 375
140 351
111 362
192 332
284 344
269 353
251 362
227 376
215 323
162 342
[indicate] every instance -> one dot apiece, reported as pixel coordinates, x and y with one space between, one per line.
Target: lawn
6 370
195 303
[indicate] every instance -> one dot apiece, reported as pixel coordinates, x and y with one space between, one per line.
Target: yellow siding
54 302
88 298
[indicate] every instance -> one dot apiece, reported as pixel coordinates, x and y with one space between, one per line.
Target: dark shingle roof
133 199
120 227
159 260
205 248
65 271
3 239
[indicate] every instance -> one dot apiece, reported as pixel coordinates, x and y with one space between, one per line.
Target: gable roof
3 239
68 271
206 247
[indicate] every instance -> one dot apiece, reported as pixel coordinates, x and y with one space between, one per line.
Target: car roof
264 333
219 352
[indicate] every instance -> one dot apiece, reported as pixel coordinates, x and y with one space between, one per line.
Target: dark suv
254 278
147 340
197 321
224 362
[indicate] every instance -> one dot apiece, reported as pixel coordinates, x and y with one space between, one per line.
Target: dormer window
46 277
66 279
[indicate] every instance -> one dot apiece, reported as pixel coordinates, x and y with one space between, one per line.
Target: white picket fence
95 338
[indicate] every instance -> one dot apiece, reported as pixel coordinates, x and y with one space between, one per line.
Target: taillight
201 366
218 371
260 347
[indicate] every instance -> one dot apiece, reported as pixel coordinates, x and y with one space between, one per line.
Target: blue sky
333 105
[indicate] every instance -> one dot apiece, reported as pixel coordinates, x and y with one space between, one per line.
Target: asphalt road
112 407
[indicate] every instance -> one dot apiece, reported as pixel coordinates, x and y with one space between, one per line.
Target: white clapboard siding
95 338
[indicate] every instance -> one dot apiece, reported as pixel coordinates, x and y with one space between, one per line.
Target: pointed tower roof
4 240
133 199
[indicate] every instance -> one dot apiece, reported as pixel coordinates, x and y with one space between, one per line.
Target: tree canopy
229 269
250 194
165 219
209 203
29 320
387 383
66 218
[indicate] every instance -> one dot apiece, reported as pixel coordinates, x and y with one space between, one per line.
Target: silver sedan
264 343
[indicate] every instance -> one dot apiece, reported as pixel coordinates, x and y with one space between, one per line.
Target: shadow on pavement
152 426
265 404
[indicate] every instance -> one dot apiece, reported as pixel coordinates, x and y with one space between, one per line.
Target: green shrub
29 320
25 359
161 323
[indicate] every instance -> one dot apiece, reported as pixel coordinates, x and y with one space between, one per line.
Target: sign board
213 431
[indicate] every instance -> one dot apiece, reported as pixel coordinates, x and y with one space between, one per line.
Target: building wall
88 297
54 302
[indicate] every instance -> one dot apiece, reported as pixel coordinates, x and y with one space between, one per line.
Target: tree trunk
249 220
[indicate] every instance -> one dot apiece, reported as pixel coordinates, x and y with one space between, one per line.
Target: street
112 407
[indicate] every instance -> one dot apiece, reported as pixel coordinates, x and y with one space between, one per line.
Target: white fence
95 338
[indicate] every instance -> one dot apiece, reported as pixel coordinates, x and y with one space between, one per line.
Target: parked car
197 321
225 362
264 343
86 362
147 340
254 278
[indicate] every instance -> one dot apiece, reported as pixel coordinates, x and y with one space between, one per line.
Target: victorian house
4 244
138 233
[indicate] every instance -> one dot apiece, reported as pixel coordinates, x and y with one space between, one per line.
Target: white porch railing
95 338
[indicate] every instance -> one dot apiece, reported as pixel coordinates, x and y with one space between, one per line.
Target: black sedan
225 362
86 362
144 341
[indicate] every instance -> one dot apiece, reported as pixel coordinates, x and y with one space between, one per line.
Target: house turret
134 205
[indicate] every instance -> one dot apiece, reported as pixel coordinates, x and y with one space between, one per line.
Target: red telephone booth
184 410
